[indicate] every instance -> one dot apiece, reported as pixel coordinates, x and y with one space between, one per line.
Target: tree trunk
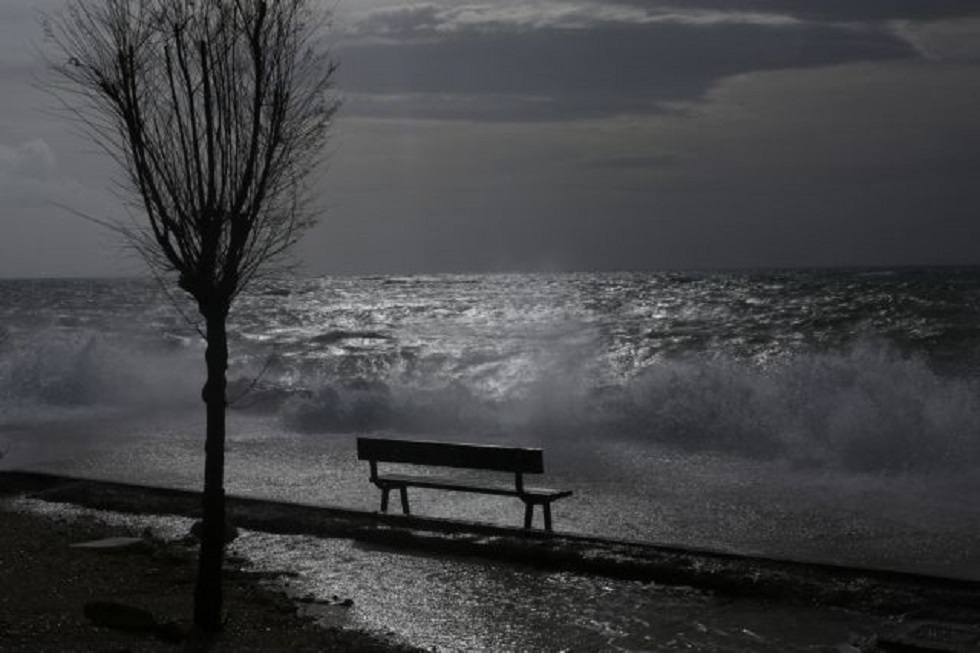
208 591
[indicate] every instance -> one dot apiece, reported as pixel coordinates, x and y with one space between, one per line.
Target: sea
828 415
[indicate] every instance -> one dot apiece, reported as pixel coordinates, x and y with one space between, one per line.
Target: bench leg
384 499
529 514
404 492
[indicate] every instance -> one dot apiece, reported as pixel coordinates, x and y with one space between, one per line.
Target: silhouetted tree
216 111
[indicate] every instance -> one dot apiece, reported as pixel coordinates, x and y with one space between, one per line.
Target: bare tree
216 111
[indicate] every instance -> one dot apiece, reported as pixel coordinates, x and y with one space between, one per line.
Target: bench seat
467 485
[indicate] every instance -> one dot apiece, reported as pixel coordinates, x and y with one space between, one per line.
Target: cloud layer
836 10
578 134
560 62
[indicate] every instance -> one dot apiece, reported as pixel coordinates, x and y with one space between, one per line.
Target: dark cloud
548 74
401 20
863 164
835 10
666 160
799 154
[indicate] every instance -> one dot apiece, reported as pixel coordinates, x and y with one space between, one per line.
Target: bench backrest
524 460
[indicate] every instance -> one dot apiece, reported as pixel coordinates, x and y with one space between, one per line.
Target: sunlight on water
823 413
468 605
835 368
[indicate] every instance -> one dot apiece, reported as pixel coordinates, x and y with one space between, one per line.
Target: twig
251 386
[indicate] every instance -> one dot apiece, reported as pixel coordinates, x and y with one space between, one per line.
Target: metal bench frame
516 460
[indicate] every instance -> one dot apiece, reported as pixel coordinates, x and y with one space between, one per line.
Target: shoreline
873 591
50 588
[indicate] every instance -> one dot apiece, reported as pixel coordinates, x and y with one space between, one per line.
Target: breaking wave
71 369
868 407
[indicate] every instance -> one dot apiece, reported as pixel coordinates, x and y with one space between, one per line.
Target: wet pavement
465 603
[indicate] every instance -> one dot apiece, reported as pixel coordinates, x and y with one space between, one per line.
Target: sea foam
866 407
59 368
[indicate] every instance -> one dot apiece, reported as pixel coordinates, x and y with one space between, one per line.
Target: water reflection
446 603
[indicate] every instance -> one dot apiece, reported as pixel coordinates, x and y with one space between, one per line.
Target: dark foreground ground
46 584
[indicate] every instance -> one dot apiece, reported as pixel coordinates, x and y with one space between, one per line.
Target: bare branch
216 112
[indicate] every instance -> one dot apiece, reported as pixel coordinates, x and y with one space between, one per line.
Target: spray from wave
59 369
867 407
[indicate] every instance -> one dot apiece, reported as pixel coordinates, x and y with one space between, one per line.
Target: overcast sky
583 135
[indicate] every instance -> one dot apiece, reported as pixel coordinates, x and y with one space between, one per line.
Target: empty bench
516 460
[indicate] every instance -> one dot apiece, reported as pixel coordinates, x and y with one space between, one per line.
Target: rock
274 601
231 532
171 632
119 616
347 603
110 544
309 599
